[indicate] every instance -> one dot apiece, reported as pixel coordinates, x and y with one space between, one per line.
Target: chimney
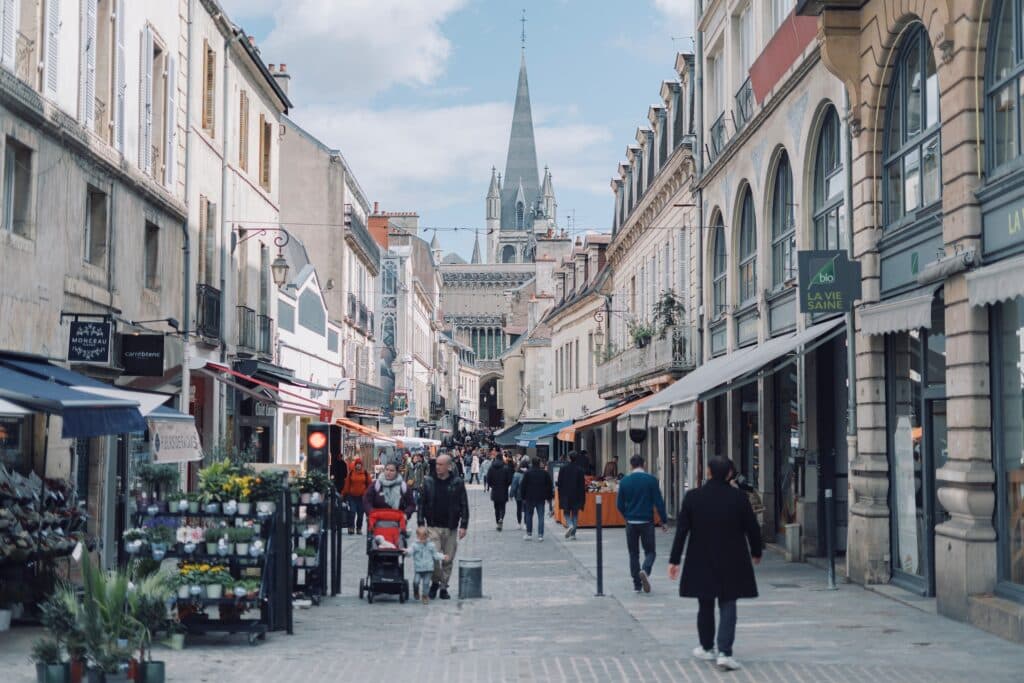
282 77
376 207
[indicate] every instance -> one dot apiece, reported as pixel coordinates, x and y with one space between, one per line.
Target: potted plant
175 635
194 499
60 615
212 482
148 606
49 667
160 480
668 310
641 333
212 536
135 540
214 580
109 631
239 488
306 556
162 534
266 489
241 536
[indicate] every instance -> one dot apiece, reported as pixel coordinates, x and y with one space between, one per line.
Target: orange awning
354 426
569 433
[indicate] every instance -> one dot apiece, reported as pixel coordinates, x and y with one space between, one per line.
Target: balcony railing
353 308
671 353
24 63
369 324
369 396
246 328
208 312
717 137
363 317
264 330
744 104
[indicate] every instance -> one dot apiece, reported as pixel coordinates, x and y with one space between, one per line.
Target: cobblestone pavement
539 621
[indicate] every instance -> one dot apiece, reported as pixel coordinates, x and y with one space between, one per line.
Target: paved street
540 621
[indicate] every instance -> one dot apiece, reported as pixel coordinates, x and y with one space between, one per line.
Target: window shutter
243 131
212 230
204 227
121 78
170 159
209 67
87 86
263 150
52 57
8 49
146 102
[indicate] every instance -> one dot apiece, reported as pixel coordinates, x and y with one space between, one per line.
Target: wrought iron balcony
744 104
671 353
208 311
246 328
717 137
264 330
363 317
369 396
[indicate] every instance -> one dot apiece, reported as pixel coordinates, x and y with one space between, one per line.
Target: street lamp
279 267
598 340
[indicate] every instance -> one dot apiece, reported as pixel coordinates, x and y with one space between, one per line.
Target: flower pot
183 592
315 498
245 508
212 508
214 591
242 549
239 591
230 507
304 498
152 511
266 507
5 620
133 547
295 498
311 561
211 548
52 673
196 591
151 672
300 561
188 548
193 507
183 505
159 551
176 641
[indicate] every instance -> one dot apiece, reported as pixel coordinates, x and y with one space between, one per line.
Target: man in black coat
724 536
572 493
499 478
536 489
444 510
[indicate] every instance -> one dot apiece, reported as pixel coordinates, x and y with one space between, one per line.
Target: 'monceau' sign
829 281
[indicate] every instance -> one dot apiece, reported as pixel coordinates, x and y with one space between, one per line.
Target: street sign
89 342
829 281
142 354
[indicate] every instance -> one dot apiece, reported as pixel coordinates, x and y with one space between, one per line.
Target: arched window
1004 87
520 217
748 250
719 267
912 155
508 254
783 225
829 182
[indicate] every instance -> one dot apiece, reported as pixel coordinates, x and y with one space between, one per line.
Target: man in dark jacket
724 536
444 508
537 489
499 478
638 498
572 493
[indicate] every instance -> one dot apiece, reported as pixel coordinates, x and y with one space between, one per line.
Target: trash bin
471 574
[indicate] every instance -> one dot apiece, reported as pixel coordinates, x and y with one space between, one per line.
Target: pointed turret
521 164
435 249
549 205
476 248
493 212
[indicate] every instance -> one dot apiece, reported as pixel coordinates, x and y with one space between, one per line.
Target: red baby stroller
385 551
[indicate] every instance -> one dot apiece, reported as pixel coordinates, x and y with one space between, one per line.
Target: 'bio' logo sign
826 275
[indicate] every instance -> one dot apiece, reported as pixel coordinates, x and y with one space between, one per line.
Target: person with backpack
356 484
516 491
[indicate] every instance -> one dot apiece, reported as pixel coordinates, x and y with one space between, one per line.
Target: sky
418 94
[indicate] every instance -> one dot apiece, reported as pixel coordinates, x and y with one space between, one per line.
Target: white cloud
679 12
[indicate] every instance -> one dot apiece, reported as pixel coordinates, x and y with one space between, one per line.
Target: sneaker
568 532
700 653
528 537
444 594
425 600
636 589
540 539
644 581
727 663
433 590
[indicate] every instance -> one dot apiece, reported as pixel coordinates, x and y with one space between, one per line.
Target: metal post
830 537
600 554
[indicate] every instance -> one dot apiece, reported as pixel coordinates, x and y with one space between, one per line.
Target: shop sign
142 354
89 342
399 402
1004 227
829 281
175 441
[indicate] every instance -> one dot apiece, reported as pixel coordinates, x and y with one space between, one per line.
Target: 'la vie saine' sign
829 281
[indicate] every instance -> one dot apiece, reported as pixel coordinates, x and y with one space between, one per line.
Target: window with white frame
780 9
719 268
783 224
829 184
748 250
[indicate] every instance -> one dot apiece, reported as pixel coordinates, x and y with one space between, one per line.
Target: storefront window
787 441
1009 370
750 435
15 451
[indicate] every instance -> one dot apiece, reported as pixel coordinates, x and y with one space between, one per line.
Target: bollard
471 573
600 556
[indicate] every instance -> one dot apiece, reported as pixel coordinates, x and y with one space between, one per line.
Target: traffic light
317 446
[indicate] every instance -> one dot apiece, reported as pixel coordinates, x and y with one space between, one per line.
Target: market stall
610 516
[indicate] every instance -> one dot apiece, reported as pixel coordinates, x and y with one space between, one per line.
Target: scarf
391 490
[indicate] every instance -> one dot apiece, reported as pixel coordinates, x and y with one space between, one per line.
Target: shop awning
8 409
275 373
910 311
288 400
174 436
730 371
147 402
569 433
354 426
1001 281
528 439
83 414
510 436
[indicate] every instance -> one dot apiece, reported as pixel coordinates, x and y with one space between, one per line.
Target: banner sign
142 354
89 342
175 441
829 281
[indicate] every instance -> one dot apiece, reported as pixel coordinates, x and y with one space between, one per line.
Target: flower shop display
50 667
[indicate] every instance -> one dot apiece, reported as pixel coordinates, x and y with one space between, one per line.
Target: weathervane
523 37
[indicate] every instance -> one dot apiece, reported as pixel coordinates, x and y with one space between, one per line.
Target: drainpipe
698 115
851 339
186 297
225 251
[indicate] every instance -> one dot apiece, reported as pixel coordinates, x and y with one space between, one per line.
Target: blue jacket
639 495
423 556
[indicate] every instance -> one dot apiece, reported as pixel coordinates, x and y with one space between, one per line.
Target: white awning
8 409
147 402
906 312
1001 281
174 437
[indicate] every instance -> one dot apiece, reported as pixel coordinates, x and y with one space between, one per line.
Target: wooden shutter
120 78
9 37
264 153
87 67
171 122
204 227
52 56
209 86
243 131
212 230
146 102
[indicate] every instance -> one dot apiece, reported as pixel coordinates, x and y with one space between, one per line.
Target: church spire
521 164
476 248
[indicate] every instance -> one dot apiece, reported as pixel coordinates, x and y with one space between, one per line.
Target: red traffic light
317 440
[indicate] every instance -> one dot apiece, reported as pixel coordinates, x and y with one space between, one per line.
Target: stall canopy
354 426
265 391
83 414
510 436
528 439
608 414
174 436
729 372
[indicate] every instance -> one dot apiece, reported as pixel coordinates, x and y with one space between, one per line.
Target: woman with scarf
390 491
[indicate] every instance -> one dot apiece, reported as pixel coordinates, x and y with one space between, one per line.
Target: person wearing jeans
537 490
706 625
638 498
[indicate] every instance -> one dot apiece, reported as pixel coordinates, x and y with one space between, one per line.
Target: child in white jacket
424 554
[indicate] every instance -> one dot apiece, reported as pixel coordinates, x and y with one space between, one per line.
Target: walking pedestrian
639 496
724 541
536 489
499 478
485 466
444 509
516 490
390 492
474 468
572 494
417 473
355 487
425 555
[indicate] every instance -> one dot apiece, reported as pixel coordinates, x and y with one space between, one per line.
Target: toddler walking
424 554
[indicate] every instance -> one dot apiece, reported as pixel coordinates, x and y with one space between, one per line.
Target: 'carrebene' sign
829 281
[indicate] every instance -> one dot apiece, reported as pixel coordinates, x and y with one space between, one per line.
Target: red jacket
357 481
